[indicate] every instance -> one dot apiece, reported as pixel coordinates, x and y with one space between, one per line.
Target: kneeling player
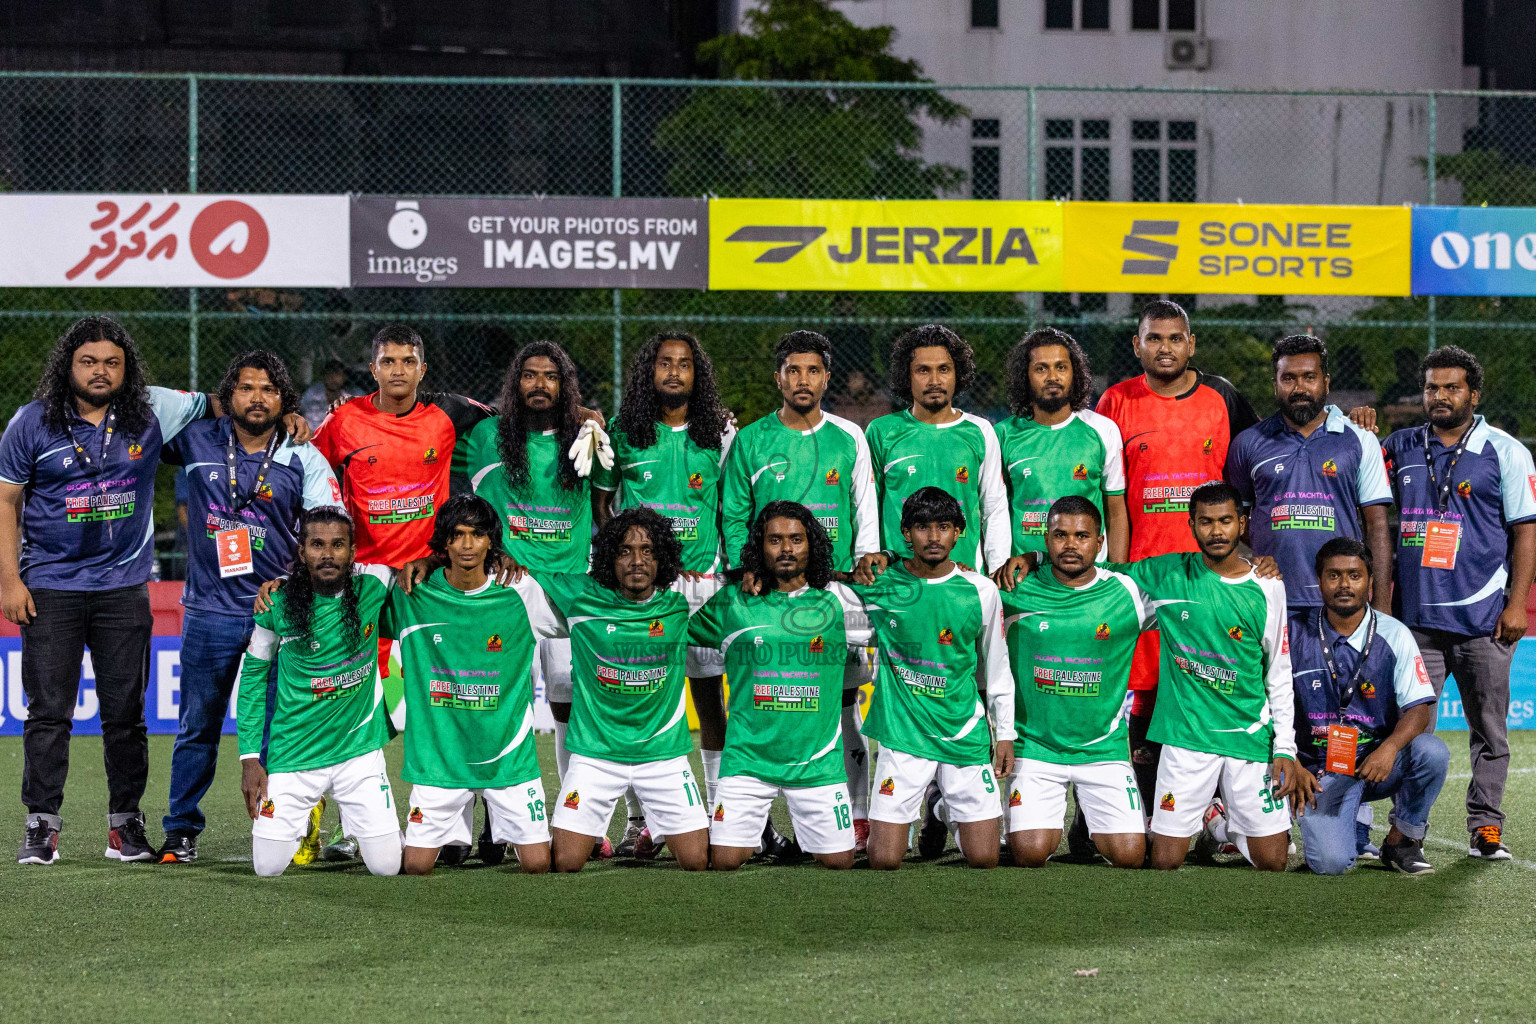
1072 629
936 628
628 623
329 724
785 650
467 646
1225 707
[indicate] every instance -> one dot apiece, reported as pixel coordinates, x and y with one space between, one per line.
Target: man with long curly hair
671 440
524 462
1054 445
785 648
329 722
77 493
933 444
245 488
628 624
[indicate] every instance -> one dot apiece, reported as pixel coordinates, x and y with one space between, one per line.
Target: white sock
632 808
711 759
856 761
562 756
382 854
1218 831
271 857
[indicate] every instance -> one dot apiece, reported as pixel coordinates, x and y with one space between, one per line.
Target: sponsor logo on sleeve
415 816
266 808
572 800
1167 802
888 787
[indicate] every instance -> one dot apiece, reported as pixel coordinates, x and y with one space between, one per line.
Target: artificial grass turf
933 942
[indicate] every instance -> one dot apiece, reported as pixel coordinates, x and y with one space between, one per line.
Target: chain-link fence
73 133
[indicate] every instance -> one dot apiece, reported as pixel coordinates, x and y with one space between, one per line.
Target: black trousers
116 626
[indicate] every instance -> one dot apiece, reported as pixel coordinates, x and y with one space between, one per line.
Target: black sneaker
777 846
452 856
180 847
1488 844
1407 857
40 843
491 852
934 834
632 829
127 841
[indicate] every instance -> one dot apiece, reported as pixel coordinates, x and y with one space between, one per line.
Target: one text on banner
899 245
1474 250
1237 249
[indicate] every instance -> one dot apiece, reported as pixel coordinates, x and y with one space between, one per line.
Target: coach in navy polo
1309 475
241 531
1357 673
1466 552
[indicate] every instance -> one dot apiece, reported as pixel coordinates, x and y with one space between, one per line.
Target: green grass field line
88 938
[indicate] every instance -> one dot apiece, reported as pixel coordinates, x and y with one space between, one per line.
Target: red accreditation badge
1343 740
1440 543
234 547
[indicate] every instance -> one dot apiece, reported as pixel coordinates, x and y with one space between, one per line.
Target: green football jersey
960 457
627 669
1071 651
545 527
1080 455
1224 685
932 637
677 478
784 654
826 469
329 704
467 657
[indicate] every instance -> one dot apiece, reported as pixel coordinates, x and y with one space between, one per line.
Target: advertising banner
172 241
1474 250
1210 248
905 245
431 242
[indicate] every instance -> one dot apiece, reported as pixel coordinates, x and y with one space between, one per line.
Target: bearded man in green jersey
1072 629
467 646
669 447
1225 706
329 723
820 461
784 649
939 630
628 624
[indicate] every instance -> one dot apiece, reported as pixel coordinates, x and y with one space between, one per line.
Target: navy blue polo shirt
83 530
1394 680
1492 488
1304 491
299 478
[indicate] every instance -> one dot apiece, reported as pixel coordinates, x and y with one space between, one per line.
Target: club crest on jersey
1464 489
657 629
1206 447
696 481
265 492
719 812
493 644
368 631
429 457
415 816
947 636
1330 468
818 646
266 808
1102 633
1367 689
1079 472
135 451
1015 800
888 787
834 478
1236 633
962 475
1167 803
572 800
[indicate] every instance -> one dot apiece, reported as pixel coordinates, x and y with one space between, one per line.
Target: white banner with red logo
174 241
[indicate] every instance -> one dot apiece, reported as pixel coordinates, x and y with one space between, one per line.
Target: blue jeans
211 646
1328 830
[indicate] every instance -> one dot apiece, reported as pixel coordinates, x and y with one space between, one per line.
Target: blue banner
1474 250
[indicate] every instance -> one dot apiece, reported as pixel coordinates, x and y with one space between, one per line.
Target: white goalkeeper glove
591 443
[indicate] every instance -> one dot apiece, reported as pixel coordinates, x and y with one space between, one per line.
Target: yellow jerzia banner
900 245
1244 250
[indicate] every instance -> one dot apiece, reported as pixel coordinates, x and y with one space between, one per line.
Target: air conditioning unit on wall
1186 52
